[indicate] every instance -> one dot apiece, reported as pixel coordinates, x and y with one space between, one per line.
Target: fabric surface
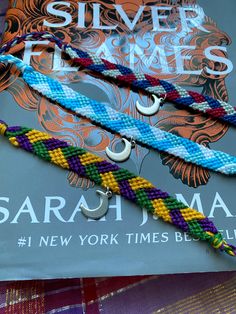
188 293
191 293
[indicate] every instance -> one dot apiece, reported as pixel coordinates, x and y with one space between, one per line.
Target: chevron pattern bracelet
124 124
119 181
173 93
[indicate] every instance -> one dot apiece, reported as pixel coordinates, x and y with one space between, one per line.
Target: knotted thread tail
217 242
3 127
119 180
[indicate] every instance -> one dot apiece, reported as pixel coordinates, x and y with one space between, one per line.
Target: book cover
43 232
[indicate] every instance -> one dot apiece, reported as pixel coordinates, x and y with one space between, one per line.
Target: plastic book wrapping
185 42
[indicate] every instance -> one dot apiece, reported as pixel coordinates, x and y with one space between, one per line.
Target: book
43 232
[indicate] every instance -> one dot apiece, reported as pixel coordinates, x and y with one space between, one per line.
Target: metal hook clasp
124 155
102 209
149 111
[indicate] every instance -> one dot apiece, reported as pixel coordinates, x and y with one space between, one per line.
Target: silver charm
149 111
124 155
102 209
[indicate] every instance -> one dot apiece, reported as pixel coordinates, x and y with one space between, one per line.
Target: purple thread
207 225
105 166
76 166
126 191
156 193
51 144
24 143
178 220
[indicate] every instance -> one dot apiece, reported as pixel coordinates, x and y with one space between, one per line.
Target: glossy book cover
43 232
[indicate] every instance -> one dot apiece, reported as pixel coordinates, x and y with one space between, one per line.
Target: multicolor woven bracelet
173 93
124 124
119 181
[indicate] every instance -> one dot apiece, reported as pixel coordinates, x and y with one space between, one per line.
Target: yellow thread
3 128
35 136
216 243
58 158
229 250
13 141
89 158
160 210
139 183
216 246
109 180
210 233
190 214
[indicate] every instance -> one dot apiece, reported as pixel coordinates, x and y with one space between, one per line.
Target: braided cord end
3 131
216 240
194 223
191 221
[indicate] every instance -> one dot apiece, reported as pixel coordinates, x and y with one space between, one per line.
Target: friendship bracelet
119 181
173 93
124 124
